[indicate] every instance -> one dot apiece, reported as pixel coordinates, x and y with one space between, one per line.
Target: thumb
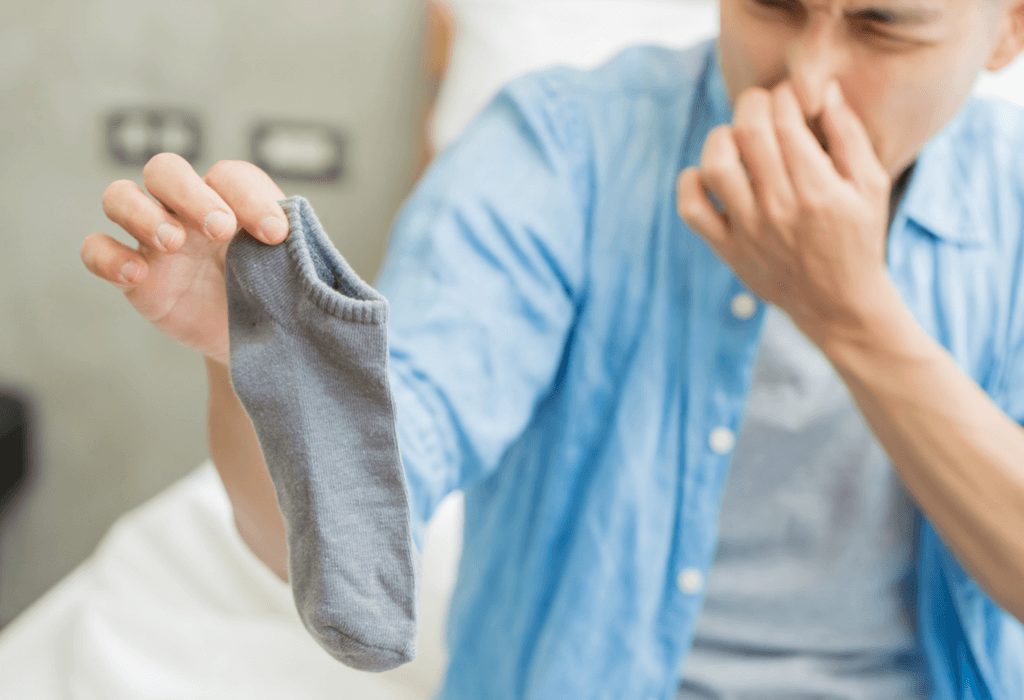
847 140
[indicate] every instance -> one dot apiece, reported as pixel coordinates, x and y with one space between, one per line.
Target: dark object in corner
13 446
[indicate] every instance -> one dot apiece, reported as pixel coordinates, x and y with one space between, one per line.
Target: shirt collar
939 197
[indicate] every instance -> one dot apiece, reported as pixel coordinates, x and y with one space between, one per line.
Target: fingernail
218 224
273 228
832 95
129 271
169 235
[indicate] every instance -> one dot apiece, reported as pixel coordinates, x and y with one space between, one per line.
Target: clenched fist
802 224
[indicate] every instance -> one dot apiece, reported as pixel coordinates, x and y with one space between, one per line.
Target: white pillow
496 40
1007 83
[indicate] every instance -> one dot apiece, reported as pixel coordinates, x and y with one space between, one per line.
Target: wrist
216 363
873 317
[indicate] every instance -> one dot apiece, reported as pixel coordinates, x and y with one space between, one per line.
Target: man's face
905 66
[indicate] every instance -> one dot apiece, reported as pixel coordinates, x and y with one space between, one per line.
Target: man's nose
813 59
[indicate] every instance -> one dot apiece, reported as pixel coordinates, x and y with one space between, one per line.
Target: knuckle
760 97
251 169
113 266
784 131
782 92
683 181
717 168
723 248
711 144
160 161
716 156
745 125
777 212
750 131
813 203
716 171
253 200
686 184
95 258
689 209
753 101
220 171
224 171
114 192
719 130
720 137
880 181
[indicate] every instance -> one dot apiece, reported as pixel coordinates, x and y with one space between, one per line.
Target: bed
172 604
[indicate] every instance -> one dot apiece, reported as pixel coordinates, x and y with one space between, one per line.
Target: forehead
924 10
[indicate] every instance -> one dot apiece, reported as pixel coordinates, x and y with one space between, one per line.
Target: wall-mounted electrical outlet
136 134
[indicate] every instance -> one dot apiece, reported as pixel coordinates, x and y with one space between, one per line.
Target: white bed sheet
172 604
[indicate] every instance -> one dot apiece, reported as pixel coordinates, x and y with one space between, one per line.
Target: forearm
960 456
235 451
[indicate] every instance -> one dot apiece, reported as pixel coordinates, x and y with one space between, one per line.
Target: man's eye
875 16
779 5
877 22
879 31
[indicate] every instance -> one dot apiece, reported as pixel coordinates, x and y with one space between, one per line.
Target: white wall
121 409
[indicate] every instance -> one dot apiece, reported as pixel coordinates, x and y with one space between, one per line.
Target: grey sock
309 362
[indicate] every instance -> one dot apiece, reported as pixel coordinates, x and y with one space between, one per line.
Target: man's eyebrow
918 14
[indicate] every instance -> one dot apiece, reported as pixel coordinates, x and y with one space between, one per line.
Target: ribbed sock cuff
319 272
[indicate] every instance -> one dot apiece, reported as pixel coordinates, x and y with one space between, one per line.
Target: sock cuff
324 274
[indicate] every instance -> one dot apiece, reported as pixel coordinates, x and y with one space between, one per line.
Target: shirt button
690 581
722 440
743 306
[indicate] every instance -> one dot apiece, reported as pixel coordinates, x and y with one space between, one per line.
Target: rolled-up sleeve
484 274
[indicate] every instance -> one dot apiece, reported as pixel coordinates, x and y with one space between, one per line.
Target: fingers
754 132
252 195
696 210
723 174
848 141
113 261
127 205
810 168
170 178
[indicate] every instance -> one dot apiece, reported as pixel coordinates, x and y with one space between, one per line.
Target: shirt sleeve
1010 390
483 274
1013 391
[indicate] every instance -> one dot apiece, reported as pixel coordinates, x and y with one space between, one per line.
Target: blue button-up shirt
562 349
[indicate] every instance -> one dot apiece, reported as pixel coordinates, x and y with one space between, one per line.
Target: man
579 288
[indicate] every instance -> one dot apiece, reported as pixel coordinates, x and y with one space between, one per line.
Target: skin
830 105
904 77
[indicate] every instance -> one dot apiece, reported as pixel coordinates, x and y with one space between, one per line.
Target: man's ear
1010 41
